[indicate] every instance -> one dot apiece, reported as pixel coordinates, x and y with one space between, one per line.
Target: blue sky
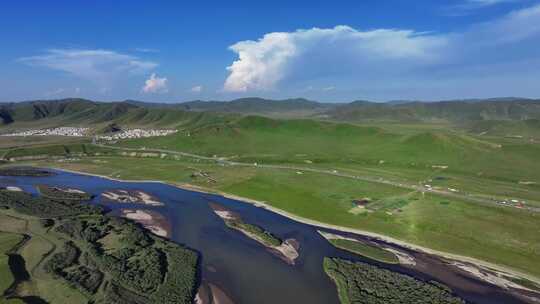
172 51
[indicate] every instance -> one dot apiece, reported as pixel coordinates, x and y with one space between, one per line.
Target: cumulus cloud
197 89
264 63
100 66
155 85
379 54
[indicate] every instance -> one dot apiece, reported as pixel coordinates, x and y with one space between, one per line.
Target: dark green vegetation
24 171
44 207
366 250
69 150
75 254
100 116
63 194
362 283
126 112
257 232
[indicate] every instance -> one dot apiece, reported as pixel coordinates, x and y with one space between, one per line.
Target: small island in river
369 249
286 250
131 197
63 193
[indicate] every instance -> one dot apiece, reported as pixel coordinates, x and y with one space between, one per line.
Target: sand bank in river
478 264
403 258
13 188
151 220
287 250
209 293
131 197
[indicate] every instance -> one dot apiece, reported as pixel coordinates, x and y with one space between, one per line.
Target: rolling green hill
134 112
80 112
449 111
521 128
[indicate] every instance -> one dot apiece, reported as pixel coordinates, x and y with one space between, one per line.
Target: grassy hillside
78 112
258 139
90 112
529 128
454 111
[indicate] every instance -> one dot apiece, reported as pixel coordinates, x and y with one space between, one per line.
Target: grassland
366 250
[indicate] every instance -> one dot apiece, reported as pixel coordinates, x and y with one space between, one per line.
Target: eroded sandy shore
151 220
209 293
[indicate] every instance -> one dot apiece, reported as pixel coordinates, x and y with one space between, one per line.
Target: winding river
245 270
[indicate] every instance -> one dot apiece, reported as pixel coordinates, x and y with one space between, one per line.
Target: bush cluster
44 207
268 238
364 283
60 194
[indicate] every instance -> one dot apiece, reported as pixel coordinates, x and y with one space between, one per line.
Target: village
136 133
81 132
61 131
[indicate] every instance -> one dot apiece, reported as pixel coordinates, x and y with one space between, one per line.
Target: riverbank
154 221
502 270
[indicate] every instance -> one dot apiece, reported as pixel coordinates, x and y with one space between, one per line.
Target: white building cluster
137 133
62 131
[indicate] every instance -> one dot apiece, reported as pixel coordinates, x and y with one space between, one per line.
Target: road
414 187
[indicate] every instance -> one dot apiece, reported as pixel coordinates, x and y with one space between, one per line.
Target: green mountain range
83 111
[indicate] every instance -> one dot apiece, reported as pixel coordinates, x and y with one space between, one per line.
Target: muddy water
245 270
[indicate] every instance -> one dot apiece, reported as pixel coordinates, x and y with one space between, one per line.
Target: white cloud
155 85
146 50
484 3
367 57
466 7
100 66
197 89
264 63
330 88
